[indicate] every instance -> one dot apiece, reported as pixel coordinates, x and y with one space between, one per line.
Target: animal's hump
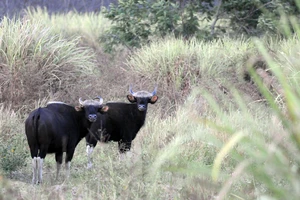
142 94
91 102
56 102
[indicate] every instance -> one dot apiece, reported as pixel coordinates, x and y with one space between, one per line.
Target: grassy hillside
225 125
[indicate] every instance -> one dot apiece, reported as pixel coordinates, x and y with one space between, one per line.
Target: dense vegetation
225 125
136 22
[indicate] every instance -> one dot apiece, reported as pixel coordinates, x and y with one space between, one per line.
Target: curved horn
130 90
80 101
100 99
155 90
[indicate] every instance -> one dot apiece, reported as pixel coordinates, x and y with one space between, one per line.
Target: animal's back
60 107
31 131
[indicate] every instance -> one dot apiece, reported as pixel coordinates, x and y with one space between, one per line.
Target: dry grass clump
89 26
9 123
283 52
36 63
178 66
92 73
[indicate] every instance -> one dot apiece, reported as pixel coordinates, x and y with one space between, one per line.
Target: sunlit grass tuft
177 58
37 62
88 26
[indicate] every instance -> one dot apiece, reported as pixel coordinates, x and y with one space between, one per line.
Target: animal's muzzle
142 107
92 117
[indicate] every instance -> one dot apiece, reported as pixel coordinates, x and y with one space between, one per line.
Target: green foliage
12 154
244 14
129 25
13 151
190 22
164 17
259 16
274 18
135 21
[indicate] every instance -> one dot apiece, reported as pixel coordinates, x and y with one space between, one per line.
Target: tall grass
257 145
9 123
38 62
178 66
88 26
205 149
176 58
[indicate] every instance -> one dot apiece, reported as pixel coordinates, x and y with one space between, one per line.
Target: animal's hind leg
40 169
34 170
34 152
40 161
58 158
69 156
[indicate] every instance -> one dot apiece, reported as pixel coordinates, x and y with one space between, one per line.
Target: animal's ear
153 99
78 108
131 98
104 109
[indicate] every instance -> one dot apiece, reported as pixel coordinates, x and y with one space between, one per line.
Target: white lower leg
68 166
121 156
34 170
129 154
89 151
125 155
40 169
58 166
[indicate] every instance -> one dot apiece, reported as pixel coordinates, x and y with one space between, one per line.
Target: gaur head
142 98
91 107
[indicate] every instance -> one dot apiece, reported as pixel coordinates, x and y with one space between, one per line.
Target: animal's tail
35 121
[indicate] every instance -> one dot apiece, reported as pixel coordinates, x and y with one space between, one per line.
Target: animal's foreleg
58 158
125 155
69 156
68 167
124 149
89 151
58 167
124 146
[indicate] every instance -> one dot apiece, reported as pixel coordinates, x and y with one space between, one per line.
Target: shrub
13 148
12 154
135 21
